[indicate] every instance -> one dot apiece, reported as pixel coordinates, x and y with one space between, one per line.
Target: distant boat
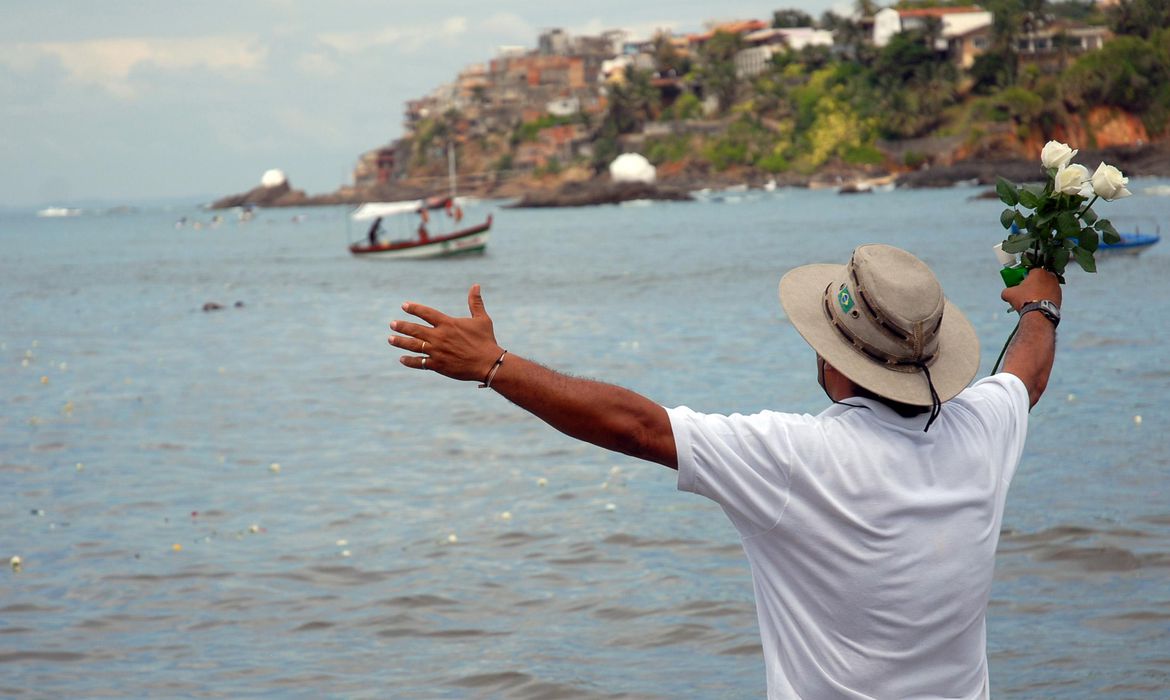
423 244
52 212
1130 244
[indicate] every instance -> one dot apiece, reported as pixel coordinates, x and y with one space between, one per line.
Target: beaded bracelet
487 382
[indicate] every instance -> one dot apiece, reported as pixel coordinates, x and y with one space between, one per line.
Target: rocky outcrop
1147 160
282 195
580 194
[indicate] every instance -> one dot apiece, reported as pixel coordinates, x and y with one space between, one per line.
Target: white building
956 22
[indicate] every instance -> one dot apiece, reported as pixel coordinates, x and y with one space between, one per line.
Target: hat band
892 362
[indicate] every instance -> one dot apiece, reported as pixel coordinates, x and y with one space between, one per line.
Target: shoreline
581 189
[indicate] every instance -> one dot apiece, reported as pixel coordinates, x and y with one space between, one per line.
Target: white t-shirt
871 543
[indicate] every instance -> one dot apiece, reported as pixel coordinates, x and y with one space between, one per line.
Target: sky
125 102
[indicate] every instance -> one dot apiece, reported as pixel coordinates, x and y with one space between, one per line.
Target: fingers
414 330
410 344
426 313
414 362
475 302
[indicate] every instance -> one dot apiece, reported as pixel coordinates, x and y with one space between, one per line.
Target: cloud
406 38
110 63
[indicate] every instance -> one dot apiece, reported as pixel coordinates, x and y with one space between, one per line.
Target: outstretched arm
1033 350
603 414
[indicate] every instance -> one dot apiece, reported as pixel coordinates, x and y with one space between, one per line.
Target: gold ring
424 347
424 365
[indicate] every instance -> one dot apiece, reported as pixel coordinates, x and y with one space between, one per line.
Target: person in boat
453 209
423 218
870 528
372 234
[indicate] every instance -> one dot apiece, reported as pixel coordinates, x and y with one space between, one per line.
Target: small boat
462 241
1130 244
423 243
56 212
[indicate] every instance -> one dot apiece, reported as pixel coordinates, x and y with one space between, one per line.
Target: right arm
1033 350
605 415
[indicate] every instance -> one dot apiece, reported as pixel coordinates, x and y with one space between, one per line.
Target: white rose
1072 179
1109 184
1056 154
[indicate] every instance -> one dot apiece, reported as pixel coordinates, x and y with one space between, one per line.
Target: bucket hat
883 322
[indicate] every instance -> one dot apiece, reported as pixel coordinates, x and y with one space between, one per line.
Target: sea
258 501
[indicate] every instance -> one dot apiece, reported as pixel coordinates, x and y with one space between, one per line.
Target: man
871 528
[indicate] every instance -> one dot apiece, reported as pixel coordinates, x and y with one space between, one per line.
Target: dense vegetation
846 105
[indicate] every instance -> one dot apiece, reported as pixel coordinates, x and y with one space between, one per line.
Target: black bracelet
1046 308
487 382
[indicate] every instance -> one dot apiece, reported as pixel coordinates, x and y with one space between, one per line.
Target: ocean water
259 501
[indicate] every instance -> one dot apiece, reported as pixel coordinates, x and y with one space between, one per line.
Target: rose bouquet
1061 224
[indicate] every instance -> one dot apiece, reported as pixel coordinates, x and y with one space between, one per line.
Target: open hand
457 347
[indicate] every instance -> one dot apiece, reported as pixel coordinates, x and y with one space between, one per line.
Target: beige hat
883 322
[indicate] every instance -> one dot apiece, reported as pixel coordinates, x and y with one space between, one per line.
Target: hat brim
802 293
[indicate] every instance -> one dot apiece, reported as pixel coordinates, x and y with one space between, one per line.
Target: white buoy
273 178
274 467
452 539
632 167
1137 420
505 516
16 563
610 507
542 481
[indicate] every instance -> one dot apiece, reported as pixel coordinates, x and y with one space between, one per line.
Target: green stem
1081 213
1005 347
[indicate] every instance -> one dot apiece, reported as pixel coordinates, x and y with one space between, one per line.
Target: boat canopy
373 210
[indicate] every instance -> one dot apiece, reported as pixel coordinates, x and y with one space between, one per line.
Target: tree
716 69
783 19
667 60
1139 17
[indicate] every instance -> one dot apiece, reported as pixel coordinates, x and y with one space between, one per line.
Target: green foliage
774 163
861 154
666 149
1140 18
1129 72
716 69
996 68
528 131
791 18
687 106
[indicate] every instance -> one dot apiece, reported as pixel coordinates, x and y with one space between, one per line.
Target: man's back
871 542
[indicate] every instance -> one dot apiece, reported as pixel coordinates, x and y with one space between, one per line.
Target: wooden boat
464 241
1131 244
426 243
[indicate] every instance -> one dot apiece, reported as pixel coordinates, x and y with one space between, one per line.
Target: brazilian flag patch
845 299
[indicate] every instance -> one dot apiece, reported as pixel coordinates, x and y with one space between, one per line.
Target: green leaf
1088 239
1089 216
1006 191
1060 260
1029 198
1085 259
1066 224
1018 244
1109 233
1007 217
